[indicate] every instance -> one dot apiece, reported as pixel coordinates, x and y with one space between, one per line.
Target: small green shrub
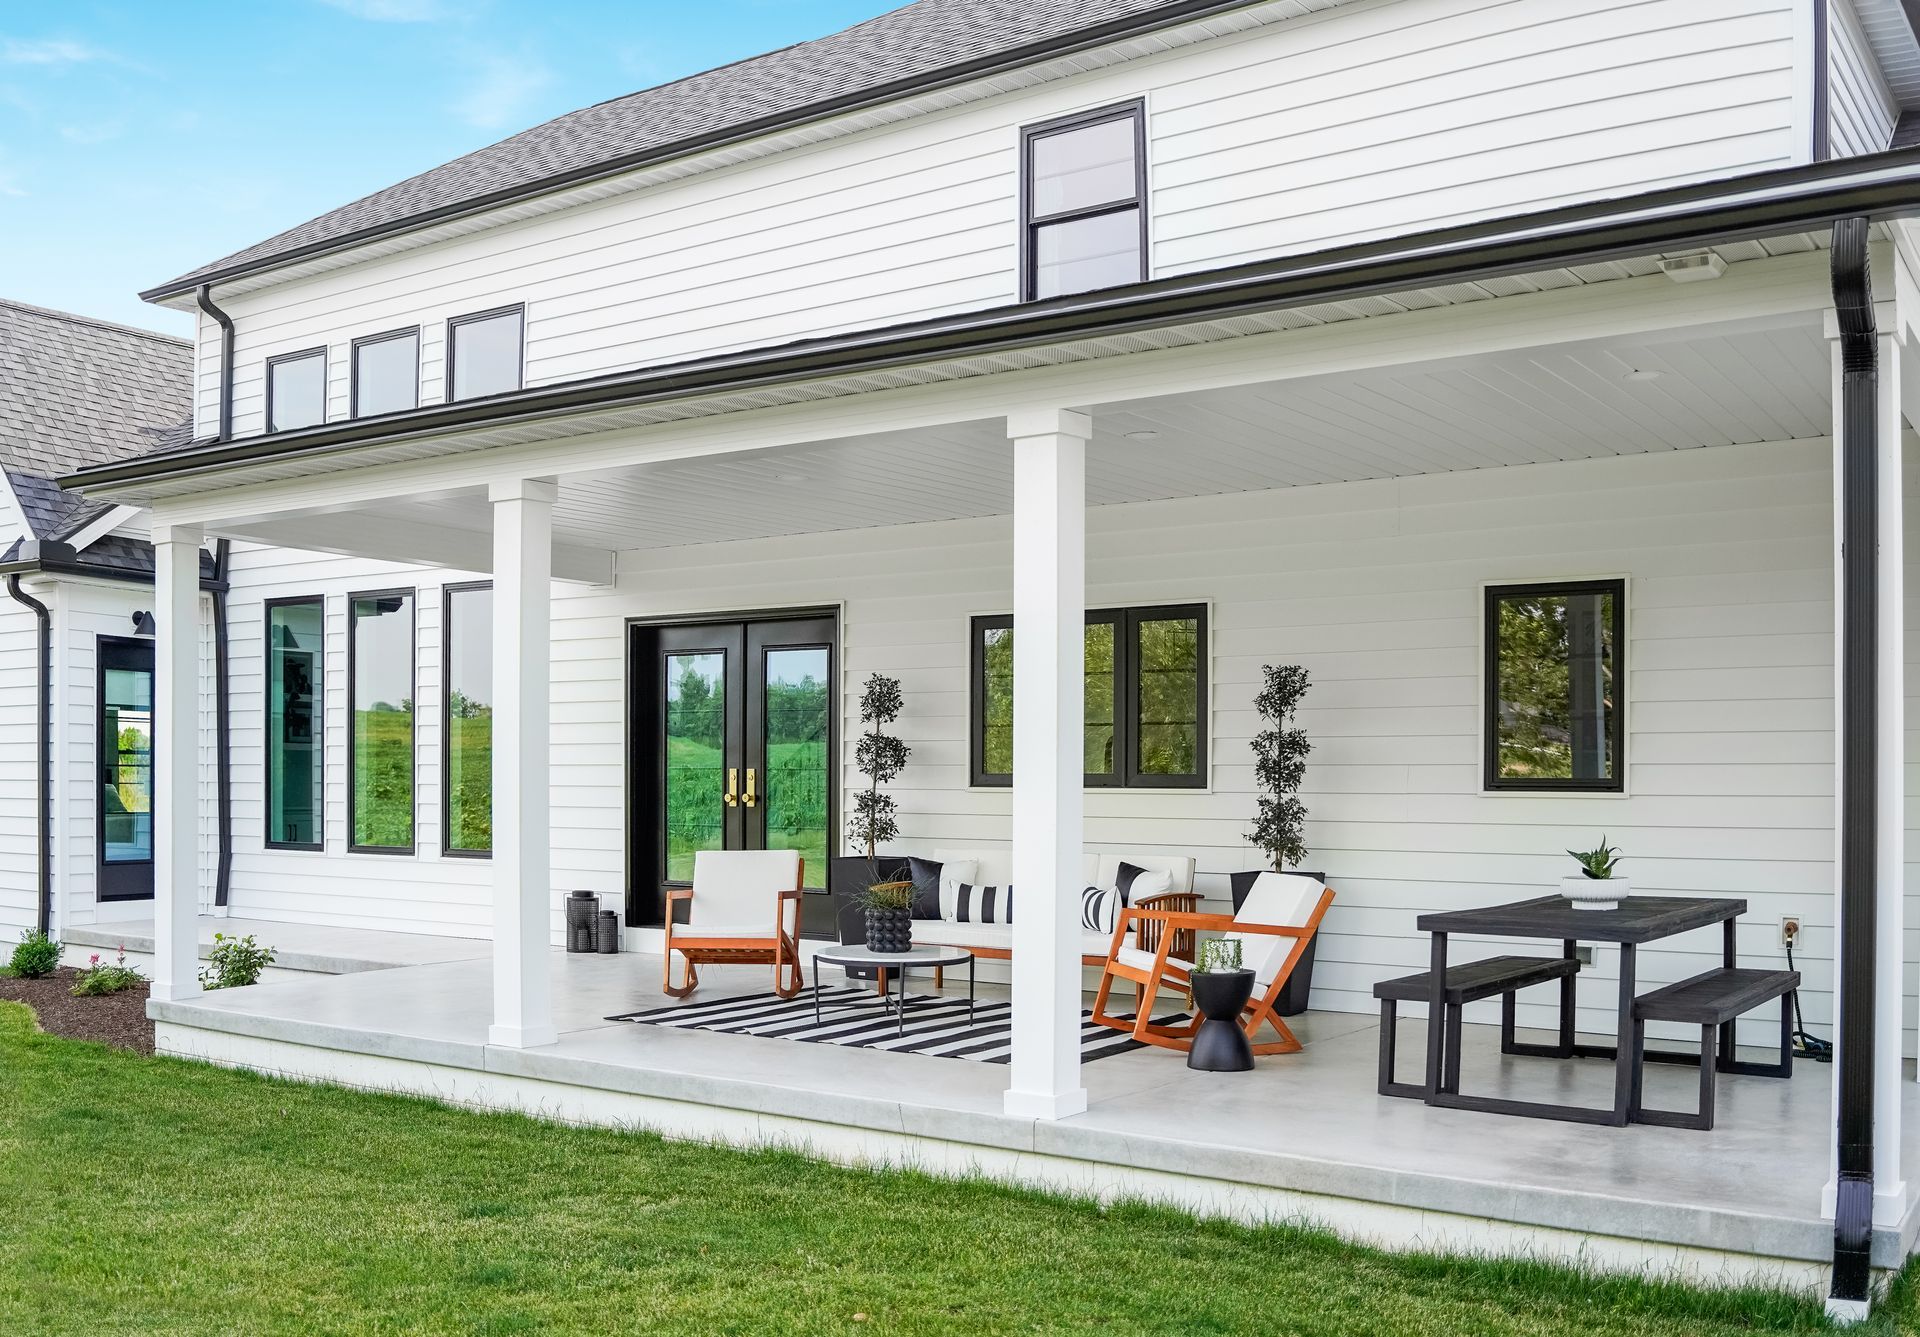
35 957
234 962
101 978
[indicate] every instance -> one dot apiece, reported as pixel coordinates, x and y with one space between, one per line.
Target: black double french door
734 735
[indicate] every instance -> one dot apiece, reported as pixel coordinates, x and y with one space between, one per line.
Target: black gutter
1080 39
222 726
1859 776
43 753
203 295
1794 199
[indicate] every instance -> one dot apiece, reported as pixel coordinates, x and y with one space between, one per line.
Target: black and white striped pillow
968 904
1099 908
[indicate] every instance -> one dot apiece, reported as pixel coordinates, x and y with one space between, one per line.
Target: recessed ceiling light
1147 435
1644 375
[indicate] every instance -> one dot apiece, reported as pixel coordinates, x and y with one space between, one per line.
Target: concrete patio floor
1304 1136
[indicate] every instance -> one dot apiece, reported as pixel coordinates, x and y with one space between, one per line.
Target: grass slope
154 1195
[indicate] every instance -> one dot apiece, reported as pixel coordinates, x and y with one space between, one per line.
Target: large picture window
295 743
380 733
484 353
1145 704
1083 201
1555 674
297 390
386 373
467 736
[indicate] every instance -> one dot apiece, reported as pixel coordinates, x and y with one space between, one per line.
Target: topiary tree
880 757
1279 764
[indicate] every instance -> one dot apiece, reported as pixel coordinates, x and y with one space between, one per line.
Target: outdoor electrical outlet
1789 931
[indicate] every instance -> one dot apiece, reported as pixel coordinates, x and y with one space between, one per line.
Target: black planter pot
847 876
889 930
1293 998
1220 1045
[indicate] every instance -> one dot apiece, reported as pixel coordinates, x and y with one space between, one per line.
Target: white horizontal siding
1862 110
422 892
1362 120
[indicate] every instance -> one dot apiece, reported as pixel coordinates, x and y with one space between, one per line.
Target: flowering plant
101 978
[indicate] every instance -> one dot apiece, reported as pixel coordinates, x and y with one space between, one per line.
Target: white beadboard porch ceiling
1568 402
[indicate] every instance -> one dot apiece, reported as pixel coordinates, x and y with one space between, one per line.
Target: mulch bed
118 1019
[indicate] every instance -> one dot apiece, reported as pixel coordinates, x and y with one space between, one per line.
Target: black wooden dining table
1636 921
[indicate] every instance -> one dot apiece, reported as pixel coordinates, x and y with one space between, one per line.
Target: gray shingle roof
917 42
75 392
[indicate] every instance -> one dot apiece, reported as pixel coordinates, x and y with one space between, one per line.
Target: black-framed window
295 724
124 817
1555 682
297 390
1145 704
1083 202
380 726
384 376
466 735
486 352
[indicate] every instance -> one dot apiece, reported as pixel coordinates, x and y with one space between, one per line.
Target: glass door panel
797 716
126 769
695 711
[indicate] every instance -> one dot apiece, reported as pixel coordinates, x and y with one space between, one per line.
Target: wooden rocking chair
1274 924
742 909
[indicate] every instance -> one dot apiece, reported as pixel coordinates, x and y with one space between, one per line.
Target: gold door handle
732 795
750 799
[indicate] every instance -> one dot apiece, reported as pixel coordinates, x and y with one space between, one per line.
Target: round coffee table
923 958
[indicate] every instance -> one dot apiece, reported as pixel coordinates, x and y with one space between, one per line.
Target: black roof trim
1079 39
1794 199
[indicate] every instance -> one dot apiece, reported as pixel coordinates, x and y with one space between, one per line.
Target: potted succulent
1597 886
1221 986
1280 824
886 898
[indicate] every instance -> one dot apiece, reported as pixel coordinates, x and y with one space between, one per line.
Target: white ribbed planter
1595 893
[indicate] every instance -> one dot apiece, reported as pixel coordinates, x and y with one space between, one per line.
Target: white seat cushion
1139 960
1283 900
725 930
732 887
947 933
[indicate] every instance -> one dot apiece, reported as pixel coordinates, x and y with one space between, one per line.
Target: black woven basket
606 933
582 906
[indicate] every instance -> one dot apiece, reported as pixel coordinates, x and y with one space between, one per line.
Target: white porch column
522 876
1890 770
1049 654
176 746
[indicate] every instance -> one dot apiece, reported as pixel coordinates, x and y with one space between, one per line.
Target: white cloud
391 11
91 134
500 89
50 51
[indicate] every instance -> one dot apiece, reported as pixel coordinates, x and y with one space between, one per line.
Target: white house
1324 332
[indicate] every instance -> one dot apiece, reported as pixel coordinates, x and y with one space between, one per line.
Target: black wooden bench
1503 976
1712 1001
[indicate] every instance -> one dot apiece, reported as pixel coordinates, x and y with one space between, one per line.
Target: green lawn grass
153 1195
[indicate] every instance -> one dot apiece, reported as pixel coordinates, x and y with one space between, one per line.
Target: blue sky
141 139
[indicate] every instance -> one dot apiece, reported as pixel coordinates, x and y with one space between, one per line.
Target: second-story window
484 353
1083 198
296 390
386 372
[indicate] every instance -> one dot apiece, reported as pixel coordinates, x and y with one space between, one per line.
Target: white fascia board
110 520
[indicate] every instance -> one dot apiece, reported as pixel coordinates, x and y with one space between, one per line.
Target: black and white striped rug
937 1025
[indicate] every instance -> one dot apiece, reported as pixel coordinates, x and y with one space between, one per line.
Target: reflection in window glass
297 391
797 715
469 720
1168 653
294 742
126 734
696 713
1555 691
1101 734
486 354
380 634
1087 253
1079 169
386 374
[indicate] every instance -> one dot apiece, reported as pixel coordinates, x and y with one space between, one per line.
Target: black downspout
43 747
222 726
1859 465
203 295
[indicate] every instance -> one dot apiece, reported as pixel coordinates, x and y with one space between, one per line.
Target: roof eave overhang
43 558
1166 16
1880 186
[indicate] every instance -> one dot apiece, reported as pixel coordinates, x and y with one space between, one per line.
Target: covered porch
1394 448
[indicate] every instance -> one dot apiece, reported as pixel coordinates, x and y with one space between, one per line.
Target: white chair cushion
1280 899
733 887
726 930
1139 960
946 933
